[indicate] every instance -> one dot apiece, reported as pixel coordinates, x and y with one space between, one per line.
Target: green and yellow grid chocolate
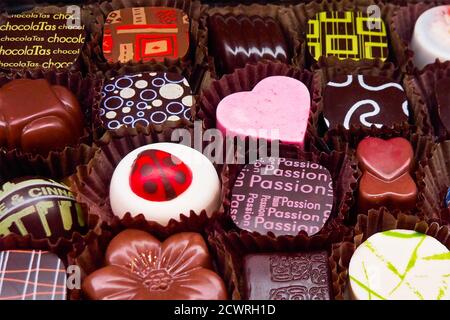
347 35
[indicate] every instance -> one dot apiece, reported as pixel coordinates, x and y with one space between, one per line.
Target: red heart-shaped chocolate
385 159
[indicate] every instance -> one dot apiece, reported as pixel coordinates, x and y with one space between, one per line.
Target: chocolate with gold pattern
32 275
42 208
287 276
145 33
347 35
47 40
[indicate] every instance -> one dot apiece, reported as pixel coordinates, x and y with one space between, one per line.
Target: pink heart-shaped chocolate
386 159
276 109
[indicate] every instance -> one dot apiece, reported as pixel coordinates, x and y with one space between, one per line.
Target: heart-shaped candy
276 109
385 159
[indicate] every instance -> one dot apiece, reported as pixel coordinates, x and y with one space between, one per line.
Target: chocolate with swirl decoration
364 101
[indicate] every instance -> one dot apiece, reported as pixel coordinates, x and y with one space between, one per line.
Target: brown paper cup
378 221
91 185
305 11
433 181
59 163
99 12
282 15
421 88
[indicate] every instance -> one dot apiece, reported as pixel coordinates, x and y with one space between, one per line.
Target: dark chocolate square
282 276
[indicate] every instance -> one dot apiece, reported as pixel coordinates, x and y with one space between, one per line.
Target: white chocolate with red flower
431 37
162 181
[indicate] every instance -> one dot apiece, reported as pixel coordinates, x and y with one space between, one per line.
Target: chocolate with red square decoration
145 33
283 276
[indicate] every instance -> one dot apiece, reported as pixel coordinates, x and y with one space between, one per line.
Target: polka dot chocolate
144 99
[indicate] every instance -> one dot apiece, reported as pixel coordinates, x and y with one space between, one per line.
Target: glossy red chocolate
159 176
235 41
139 267
386 179
38 117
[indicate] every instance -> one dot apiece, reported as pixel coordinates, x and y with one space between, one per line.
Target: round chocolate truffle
147 98
162 181
41 40
431 39
42 208
282 196
400 265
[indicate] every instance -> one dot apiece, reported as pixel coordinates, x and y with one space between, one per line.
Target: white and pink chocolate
431 38
276 109
162 181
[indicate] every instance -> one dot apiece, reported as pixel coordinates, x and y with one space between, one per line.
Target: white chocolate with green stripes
400 265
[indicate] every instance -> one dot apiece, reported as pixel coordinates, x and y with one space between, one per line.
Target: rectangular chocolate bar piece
283 276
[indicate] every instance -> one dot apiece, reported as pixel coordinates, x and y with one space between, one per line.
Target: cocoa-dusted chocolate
38 117
145 33
32 275
47 40
386 179
41 208
442 91
364 101
287 276
145 98
235 41
282 196
140 267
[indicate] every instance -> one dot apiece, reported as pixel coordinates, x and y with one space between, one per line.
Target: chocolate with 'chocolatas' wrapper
41 40
41 208
282 196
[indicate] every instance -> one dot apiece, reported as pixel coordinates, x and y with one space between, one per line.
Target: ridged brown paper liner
98 128
282 15
433 182
59 163
378 221
327 69
91 185
402 27
421 86
99 12
245 79
305 11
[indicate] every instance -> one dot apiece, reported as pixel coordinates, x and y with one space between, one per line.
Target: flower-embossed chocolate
145 33
139 267
145 98
283 276
159 176
162 181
